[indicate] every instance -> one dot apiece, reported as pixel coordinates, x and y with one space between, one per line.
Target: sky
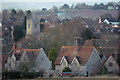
60 0
39 4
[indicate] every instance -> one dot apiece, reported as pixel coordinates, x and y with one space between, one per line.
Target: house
81 60
111 63
28 60
4 60
114 22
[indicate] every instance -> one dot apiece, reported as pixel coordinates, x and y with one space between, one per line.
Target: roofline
74 59
62 59
106 59
97 54
112 57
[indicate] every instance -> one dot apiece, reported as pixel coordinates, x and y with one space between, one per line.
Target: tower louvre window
28 25
35 25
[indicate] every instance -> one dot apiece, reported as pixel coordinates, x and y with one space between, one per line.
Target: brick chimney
14 46
18 45
78 42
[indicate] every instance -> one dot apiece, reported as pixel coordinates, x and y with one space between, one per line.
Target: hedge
21 75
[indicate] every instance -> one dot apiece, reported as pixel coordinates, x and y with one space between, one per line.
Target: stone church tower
32 27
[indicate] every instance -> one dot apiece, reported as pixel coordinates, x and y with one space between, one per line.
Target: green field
74 79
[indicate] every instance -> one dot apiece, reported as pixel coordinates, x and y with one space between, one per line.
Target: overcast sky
59 0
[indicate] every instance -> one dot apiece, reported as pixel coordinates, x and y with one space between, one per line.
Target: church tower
32 26
28 27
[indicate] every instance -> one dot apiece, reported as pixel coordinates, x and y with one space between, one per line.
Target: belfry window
28 25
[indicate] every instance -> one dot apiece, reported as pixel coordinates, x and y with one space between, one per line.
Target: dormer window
18 50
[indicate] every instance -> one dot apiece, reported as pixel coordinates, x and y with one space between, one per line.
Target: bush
21 75
66 69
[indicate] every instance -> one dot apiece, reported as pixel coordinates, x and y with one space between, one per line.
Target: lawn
74 79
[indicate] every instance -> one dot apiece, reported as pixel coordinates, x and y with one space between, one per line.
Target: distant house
111 64
81 60
4 60
36 57
114 22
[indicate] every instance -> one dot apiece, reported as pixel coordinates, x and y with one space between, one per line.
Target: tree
13 12
87 34
65 6
42 20
106 15
55 8
52 56
44 9
18 34
29 14
66 69
25 66
20 13
42 27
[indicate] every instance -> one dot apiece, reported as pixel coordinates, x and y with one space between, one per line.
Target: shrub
66 69
21 75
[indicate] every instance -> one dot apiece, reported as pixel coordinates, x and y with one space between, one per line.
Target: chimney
14 46
78 42
18 45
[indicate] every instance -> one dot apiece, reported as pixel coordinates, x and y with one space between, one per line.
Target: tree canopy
87 34
18 34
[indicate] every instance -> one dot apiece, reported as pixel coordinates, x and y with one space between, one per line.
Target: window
35 25
75 64
9 64
64 63
28 25
110 64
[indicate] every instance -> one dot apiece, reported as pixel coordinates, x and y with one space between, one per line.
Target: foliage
66 69
13 12
106 15
42 27
18 33
65 6
44 9
42 20
87 34
6 48
29 14
26 66
21 75
52 56
24 23
20 13
105 71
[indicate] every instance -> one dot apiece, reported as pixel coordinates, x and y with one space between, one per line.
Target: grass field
74 79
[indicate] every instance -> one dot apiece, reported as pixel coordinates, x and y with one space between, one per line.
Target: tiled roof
112 57
100 43
81 53
31 53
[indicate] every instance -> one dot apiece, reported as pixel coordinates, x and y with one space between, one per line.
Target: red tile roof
72 51
32 53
